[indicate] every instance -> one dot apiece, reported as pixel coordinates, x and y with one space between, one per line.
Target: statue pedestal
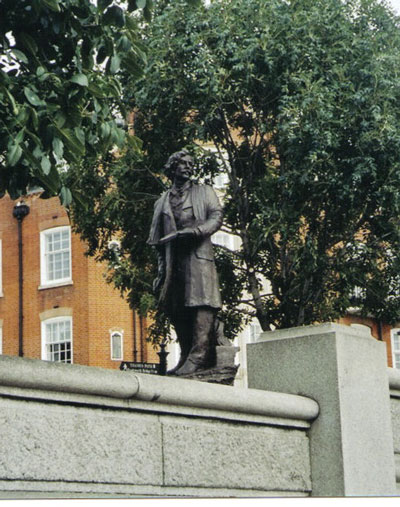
224 371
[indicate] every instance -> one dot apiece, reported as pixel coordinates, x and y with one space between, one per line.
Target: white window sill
1 294
55 362
353 309
55 284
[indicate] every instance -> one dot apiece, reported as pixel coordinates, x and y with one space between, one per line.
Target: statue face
184 168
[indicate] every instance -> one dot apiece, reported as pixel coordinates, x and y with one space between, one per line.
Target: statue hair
169 168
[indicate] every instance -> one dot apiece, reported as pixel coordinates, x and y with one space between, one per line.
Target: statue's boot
199 355
184 344
189 367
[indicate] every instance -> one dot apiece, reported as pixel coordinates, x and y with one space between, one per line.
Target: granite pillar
345 370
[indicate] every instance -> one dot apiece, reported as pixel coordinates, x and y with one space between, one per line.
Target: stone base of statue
224 371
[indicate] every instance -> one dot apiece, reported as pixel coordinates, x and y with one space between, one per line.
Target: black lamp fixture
19 212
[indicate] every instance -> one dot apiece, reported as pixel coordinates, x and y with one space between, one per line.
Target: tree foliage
300 98
60 92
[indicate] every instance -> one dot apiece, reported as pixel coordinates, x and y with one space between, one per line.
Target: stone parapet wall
394 386
78 431
322 418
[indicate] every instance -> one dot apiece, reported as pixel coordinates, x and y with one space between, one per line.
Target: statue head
179 161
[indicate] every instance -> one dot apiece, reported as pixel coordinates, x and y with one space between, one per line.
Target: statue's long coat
201 279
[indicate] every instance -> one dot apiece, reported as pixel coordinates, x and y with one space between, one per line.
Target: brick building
378 330
70 313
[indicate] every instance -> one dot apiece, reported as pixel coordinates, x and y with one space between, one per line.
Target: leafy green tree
300 98
60 93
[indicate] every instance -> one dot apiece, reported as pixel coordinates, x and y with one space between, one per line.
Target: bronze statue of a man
184 219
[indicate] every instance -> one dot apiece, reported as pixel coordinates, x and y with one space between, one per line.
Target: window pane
116 346
255 331
65 265
58 341
57 255
65 240
49 243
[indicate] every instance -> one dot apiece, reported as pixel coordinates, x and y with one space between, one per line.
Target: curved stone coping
48 376
219 397
394 379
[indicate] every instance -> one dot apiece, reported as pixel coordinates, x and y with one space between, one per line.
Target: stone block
345 371
41 442
395 411
223 455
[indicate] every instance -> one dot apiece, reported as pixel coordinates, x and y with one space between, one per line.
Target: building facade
381 331
62 309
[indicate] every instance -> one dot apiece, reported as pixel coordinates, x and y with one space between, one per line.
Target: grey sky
396 5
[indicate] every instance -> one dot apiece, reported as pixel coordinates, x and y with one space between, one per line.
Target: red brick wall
96 306
9 301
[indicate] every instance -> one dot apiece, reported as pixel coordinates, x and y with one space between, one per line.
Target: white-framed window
395 339
117 345
254 332
57 339
55 256
221 180
358 293
222 238
225 239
